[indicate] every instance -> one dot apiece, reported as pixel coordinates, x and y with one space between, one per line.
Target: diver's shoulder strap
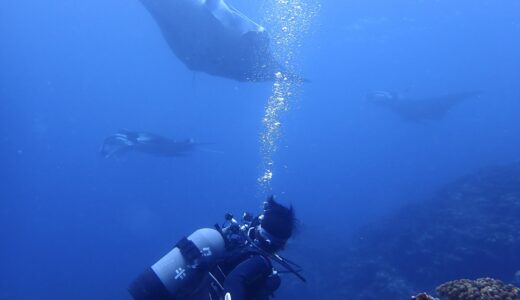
189 250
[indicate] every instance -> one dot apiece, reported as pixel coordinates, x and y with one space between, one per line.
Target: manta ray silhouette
213 37
125 141
419 109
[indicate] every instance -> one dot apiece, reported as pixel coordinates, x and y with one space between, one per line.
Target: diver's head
275 226
380 97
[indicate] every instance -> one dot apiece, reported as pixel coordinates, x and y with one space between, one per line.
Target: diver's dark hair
278 220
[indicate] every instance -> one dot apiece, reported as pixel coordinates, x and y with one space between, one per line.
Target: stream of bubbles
288 21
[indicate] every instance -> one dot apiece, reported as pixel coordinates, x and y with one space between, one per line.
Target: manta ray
213 37
418 109
125 141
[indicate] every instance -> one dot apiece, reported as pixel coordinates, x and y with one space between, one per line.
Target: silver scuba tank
181 269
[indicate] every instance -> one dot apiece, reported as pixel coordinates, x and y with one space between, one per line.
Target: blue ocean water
77 226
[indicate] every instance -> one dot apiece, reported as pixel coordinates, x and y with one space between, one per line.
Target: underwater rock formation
423 296
469 229
480 289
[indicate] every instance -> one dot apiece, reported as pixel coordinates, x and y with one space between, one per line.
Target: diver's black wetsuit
249 276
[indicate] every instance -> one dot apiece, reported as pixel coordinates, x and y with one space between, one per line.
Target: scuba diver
125 140
235 261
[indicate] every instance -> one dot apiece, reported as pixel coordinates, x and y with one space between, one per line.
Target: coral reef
480 289
469 229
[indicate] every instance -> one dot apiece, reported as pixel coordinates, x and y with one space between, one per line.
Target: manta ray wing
215 38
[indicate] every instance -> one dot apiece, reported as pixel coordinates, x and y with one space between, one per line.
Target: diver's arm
244 274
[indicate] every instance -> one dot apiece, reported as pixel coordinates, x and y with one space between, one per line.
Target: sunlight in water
288 21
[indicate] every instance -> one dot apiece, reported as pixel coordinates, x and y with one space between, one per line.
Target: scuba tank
177 274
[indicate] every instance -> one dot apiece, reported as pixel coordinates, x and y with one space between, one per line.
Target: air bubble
291 19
